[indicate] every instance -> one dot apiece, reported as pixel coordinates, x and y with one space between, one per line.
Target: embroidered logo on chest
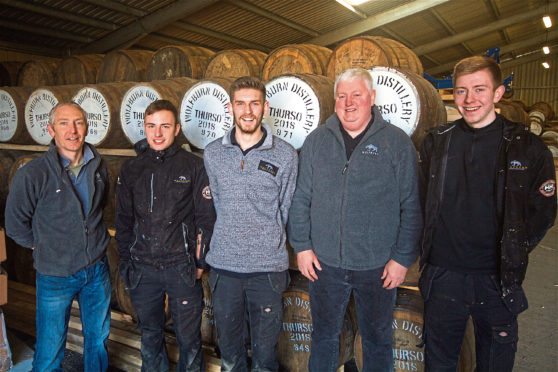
268 167
181 179
516 165
370 150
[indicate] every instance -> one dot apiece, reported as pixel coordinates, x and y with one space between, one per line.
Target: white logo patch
548 188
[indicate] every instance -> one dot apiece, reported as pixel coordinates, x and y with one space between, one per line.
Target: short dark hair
52 113
161 105
247 82
473 64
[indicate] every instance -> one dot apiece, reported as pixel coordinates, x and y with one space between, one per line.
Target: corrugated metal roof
58 28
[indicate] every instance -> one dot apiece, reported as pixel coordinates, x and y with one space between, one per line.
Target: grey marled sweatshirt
252 194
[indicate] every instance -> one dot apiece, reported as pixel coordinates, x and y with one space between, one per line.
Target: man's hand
306 262
199 273
393 275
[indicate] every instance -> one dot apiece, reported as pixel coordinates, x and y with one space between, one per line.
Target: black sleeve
541 203
124 219
424 168
204 214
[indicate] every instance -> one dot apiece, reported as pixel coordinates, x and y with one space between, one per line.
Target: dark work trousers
185 303
260 298
449 299
329 296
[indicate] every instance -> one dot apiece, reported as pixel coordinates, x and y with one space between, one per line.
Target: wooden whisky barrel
38 107
408 101
208 330
21 258
296 59
12 115
371 51
204 114
543 108
102 102
79 69
38 73
8 73
297 105
235 63
513 111
140 95
175 61
296 332
124 65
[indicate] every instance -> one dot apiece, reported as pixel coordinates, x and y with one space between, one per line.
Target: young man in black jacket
488 193
164 220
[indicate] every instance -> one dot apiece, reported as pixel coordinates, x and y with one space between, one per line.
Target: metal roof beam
66 16
274 17
128 35
528 57
375 21
533 42
483 30
46 32
118 7
38 50
220 36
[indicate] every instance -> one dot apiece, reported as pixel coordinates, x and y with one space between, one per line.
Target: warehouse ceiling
440 32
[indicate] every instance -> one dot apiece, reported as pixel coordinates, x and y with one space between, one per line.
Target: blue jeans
449 299
91 286
260 298
329 296
185 303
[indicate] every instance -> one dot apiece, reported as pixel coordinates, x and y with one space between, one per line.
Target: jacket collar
378 123
268 143
142 148
55 159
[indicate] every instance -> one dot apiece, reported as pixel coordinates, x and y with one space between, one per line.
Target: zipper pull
242 164
345 168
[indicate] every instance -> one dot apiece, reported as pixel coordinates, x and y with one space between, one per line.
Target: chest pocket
180 185
518 175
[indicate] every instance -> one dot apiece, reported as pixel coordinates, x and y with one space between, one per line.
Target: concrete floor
538 325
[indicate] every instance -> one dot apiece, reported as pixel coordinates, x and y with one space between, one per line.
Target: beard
251 128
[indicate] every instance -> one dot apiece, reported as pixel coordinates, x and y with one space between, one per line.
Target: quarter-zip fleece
357 214
44 211
252 195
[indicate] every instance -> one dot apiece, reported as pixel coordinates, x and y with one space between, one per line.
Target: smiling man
252 176
164 221
354 222
55 207
488 193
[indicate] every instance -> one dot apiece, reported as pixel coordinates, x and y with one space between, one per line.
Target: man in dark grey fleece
55 208
252 177
355 217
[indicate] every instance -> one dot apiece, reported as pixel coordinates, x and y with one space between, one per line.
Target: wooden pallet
124 340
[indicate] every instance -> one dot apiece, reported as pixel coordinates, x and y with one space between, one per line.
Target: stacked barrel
115 89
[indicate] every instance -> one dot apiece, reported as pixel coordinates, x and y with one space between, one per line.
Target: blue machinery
447 82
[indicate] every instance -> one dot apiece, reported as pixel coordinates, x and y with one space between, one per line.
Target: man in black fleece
488 193
164 220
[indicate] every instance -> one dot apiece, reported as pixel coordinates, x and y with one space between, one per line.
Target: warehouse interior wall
533 83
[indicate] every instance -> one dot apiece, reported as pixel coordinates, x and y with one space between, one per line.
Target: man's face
160 129
68 129
352 105
475 95
248 107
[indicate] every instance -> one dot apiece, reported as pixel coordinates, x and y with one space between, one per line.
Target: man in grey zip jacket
354 222
55 207
252 176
